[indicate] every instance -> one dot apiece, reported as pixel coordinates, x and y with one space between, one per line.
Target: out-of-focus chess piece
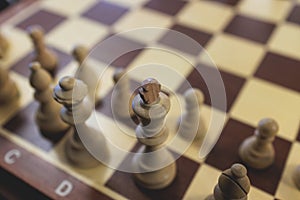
233 184
192 123
46 57
296 177
9 92
257 151
4 46
48 114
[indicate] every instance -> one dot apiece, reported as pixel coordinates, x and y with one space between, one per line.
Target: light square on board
205 15
20 44
287 188
76 31
26 96
169 7
105 12
260 99
281 70
256 193
45 18
203 183
267 10
143 18
249 28
225 153
167 67
67 7
234 54
285 40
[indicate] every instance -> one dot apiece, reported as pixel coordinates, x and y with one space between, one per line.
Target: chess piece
121 95
233 184
153 162
296 177
80 53
8 90
192 123
47 116
85 72
46 57
4 46
71 93
257 151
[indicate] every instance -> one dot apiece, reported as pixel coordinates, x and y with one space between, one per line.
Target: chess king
153 162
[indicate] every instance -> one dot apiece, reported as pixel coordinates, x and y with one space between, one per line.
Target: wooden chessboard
254 43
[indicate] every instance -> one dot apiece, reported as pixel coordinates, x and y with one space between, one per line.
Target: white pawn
46 57
8 89
257 151
192 122
121 95
296 177
48 114
85 72
233 184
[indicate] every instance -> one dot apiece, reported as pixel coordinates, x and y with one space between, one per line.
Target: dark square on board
295 15
280 70
106 108
22 68
169 7
105 12
45 19
249 28
24 125
204 76
177 41
186 170
117 51
229 2
225 153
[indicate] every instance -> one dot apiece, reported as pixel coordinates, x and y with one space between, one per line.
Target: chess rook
157 163
233 184
191 122
8 90
47 116
257 151
46 57
77 108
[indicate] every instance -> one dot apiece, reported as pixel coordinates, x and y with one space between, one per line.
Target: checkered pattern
254 43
